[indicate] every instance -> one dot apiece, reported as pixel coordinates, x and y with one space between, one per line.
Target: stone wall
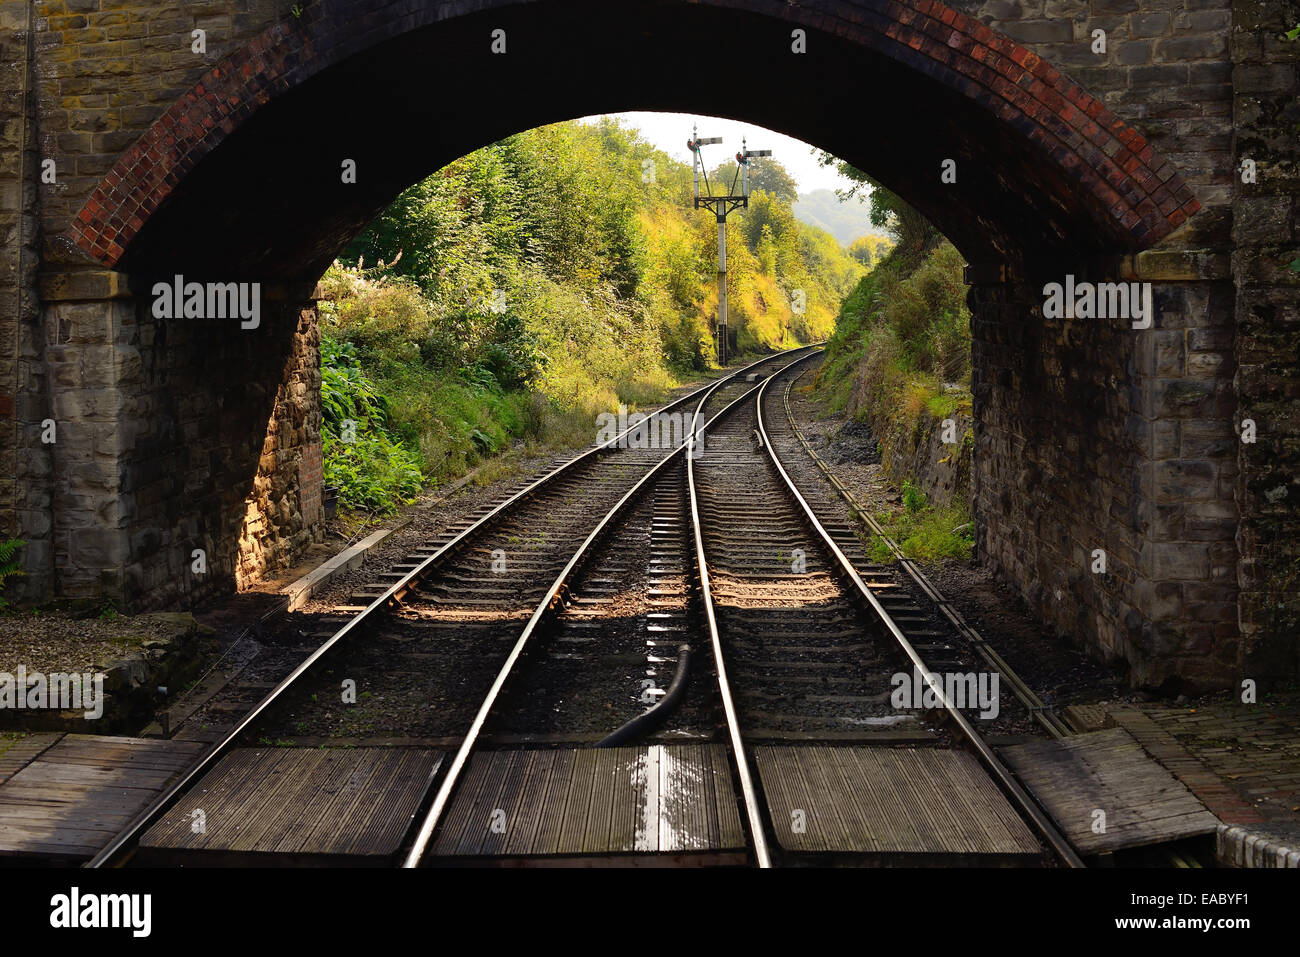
1266 270
917 453
284 511
132 435
1091 435
25 497
108 69
1165 69
1210 83
210 430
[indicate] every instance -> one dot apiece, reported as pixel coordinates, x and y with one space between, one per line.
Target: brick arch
1051 165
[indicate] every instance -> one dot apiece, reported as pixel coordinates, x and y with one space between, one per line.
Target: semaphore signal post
721 207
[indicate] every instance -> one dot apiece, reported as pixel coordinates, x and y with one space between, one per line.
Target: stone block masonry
1266 272
164 420
25 497
1208 522
109 69
1146 441
283 511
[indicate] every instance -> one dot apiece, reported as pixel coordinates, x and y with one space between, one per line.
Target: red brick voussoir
1136 192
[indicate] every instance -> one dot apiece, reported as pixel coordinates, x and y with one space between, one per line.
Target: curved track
548 526
776 586
547 609
618 557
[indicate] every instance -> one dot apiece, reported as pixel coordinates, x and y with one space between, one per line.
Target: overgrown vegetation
924 532
902 343
517 293
900 360
371 467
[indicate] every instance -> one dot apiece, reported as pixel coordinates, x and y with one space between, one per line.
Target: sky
670 131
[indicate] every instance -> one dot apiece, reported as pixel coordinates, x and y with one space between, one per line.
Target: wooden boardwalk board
296 805
17 754
621 802
1108 771
913 804
76 794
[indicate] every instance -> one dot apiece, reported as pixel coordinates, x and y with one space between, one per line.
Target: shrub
374 472
346 392
913 498
894 330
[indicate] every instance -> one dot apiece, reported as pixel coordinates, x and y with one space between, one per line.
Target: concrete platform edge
301 590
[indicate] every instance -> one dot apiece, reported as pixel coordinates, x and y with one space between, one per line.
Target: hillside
845 221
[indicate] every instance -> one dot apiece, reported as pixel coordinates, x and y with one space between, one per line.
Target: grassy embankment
900 360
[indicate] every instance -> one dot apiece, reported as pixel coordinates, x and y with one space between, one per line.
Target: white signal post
721 206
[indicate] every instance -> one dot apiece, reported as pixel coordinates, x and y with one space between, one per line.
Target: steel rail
395 592
1040 712
986 754
553 599
749 795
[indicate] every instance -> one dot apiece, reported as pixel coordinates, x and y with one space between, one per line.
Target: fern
10 565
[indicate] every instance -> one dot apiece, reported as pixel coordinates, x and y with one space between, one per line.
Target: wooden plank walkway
293 806
663 800
76 794
916 805
23 751
1108 771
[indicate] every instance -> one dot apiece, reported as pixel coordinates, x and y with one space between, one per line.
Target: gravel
62 642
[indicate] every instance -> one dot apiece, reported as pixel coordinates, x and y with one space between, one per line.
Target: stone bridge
130 154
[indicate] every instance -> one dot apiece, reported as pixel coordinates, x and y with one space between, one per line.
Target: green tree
860 249
768 212
765 173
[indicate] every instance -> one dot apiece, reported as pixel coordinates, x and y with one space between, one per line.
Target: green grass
924 533
899 338
453 423
942 406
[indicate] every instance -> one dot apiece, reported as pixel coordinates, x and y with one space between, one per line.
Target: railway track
486 586
947 640
807 662
712 405
615 646
805 635
591 586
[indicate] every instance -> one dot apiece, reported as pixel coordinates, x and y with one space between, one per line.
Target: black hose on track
646 721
